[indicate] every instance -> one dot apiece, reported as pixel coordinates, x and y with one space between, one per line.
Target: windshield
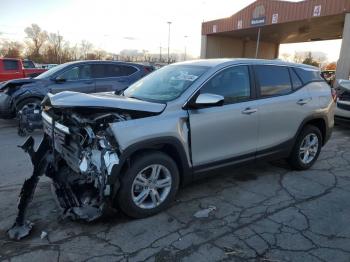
51 71
165 84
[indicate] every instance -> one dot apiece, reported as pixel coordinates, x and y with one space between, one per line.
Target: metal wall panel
287 12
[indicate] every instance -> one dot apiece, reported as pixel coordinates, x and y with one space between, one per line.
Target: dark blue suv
81 76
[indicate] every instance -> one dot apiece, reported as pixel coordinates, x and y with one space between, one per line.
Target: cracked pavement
264 212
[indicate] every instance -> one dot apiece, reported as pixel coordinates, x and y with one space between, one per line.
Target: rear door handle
249 111
303 101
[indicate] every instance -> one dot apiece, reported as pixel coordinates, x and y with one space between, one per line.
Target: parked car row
11 68
81 76
132 150
342 112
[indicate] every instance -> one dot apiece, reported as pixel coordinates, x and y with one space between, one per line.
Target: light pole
185 53
160 52
169 23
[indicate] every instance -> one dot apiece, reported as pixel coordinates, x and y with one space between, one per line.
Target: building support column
343 65
204 47
277 50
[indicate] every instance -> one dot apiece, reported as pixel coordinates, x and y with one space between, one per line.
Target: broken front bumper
83 194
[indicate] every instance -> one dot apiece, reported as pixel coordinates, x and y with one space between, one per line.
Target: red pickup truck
12 68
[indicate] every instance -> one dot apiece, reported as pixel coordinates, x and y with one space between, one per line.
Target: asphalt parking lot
260 213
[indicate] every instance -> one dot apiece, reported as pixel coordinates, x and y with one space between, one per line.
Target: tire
130 190
25 102
297 159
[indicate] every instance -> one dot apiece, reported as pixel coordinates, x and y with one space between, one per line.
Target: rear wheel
306 149
149 185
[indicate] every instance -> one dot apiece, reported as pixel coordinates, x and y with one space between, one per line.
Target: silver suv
132 151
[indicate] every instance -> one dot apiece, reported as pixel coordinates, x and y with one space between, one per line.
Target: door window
77 73
120 70
273 80
111 70
99 70
232 83
11 64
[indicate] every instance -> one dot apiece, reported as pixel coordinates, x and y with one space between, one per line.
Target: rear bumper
6 110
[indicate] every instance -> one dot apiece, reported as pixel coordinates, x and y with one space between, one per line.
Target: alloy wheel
151 186
308 148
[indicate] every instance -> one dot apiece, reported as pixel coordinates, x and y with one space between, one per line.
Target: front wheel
306 149
31 102
149 185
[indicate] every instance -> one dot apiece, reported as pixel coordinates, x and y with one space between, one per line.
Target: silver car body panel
216 132
168 124
276 121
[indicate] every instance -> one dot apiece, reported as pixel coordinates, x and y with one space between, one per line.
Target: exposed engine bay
79 153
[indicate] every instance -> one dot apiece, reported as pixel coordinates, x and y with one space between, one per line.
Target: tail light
334 94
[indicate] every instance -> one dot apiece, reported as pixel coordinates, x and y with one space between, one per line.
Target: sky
114 25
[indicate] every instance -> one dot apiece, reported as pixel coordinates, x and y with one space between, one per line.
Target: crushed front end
79 153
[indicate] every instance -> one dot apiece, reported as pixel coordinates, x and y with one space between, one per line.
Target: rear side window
273 80
296 82
128 70
308 75
11 65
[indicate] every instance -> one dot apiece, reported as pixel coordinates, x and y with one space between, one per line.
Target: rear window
308 75
11 65
273 80
28 64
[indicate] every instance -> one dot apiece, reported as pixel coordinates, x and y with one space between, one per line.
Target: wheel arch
318 121
21 99
167 145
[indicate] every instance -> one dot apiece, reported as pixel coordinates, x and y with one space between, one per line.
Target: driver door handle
303 101
249 111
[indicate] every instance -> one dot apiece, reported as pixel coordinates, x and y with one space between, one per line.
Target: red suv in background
12 68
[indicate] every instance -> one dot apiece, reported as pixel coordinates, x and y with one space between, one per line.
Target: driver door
77 78
228 133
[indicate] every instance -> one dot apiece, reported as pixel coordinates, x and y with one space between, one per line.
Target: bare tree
286 56
85 48
37 38
11 49
52 53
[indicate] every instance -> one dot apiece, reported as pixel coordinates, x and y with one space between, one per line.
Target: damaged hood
69 99
16 82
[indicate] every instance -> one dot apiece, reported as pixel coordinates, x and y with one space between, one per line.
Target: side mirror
60 80
207 100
